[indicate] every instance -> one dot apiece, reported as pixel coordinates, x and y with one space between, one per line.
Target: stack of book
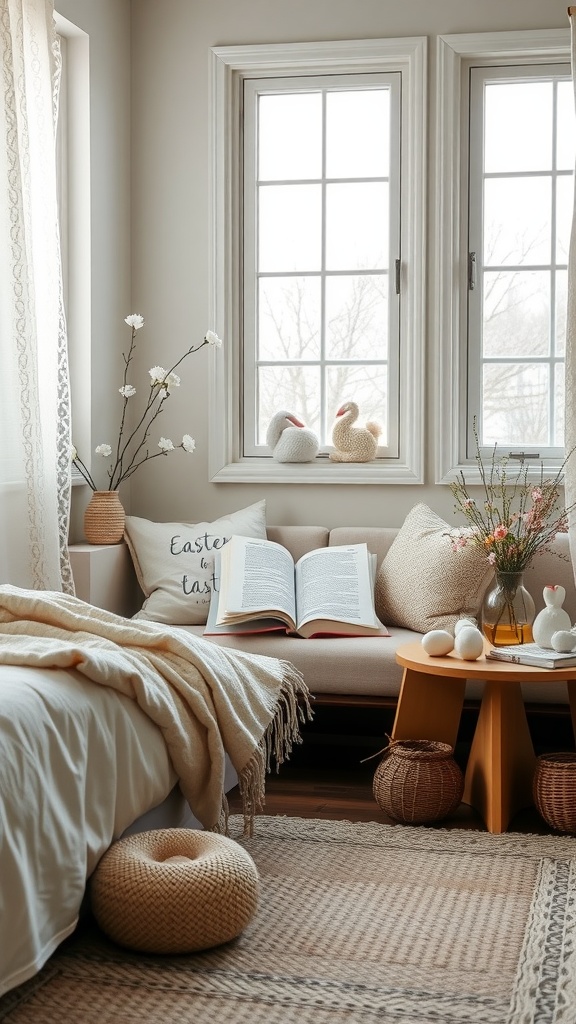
533 654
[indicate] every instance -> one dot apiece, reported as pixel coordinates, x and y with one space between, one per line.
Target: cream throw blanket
205 699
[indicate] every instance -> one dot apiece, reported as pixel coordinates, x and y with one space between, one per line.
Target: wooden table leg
429 707
571 684
502 760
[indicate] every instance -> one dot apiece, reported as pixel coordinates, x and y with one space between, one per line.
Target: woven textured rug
356 923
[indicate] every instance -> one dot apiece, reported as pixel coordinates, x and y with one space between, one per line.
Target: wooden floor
313 792
327 775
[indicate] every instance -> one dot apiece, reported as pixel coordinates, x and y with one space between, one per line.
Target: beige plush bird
353 444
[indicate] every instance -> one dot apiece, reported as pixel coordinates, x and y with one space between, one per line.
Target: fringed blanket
206 700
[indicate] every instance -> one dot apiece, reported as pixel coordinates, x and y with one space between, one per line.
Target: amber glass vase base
505 636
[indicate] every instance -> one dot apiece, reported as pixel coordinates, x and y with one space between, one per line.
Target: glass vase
507 610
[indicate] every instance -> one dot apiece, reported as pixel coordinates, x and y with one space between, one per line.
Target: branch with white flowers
132 451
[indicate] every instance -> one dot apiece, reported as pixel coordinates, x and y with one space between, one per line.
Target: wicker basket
418 781
554 790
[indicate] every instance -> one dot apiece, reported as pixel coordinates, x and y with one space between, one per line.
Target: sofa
365 667
416 557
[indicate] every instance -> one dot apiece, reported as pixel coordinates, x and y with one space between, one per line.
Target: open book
327 592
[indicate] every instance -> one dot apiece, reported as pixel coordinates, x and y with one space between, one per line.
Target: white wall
170 42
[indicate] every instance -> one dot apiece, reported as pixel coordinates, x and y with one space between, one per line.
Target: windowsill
472 473
321 471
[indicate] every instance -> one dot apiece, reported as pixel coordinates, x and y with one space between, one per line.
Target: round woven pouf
418 781
174 891
554 790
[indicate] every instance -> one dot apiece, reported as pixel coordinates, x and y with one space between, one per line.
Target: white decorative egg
437 642
563 641
469 644
463 624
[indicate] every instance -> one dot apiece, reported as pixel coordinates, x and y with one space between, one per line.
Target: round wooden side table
501 764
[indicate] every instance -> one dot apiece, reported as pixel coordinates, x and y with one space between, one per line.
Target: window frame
75 222
455 55
254 88
230 66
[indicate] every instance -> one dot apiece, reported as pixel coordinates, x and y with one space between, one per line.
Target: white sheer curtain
34 397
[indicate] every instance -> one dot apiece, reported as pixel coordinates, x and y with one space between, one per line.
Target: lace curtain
34 396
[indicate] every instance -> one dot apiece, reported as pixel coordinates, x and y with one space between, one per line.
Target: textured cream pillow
422 583
174 562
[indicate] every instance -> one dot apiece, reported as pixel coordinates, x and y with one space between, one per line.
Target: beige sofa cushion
359 665
422 583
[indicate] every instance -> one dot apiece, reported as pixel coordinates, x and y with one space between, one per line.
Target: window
321 240
505 164
521 169
318 251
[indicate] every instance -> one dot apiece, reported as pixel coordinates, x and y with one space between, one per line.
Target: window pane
294 388
357 134
357 317
517 220
564 207
516 313
290 136
566 132
518 126
289 318
357 226
290 227
365 385
515 404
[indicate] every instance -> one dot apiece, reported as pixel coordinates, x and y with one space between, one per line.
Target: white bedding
79 763
97 715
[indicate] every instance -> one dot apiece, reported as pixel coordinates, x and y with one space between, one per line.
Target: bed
82 762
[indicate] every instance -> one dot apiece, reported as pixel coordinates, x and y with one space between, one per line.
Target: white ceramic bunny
552 618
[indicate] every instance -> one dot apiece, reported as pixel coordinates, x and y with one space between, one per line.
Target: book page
259 577
251 625
336 583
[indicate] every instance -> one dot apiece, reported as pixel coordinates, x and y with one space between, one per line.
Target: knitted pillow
422 583
174 562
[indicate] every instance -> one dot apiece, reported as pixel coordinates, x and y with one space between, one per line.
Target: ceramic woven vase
507 610
104 518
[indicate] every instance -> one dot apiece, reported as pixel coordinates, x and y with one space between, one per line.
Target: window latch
523 456
471 271
397 266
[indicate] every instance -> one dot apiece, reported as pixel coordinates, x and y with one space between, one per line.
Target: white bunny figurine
552 618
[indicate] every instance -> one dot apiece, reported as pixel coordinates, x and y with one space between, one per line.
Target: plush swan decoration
290 440
353 444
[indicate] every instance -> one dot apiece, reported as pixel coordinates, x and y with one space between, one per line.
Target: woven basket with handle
554 790
418 781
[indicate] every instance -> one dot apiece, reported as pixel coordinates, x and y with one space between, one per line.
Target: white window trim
229 66
449 262
76 244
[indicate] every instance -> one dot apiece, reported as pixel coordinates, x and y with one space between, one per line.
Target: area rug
356 923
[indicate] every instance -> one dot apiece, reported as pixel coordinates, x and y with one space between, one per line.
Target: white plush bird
290 440
353 444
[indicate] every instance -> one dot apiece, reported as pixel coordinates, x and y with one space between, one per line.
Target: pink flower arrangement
515 519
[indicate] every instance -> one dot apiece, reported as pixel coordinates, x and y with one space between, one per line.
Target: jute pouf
174 891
